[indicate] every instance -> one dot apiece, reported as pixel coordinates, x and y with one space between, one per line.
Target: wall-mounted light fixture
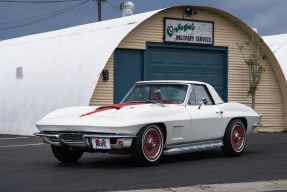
19 72
105 74
189 12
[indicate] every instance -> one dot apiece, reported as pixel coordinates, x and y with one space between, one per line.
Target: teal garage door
167 62
128 69
207 64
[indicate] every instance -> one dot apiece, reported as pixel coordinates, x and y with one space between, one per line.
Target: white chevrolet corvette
155 118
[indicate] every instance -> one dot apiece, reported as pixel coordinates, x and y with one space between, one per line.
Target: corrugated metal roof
60 69
278 45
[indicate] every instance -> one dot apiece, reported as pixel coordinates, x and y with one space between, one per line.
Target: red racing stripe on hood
109 107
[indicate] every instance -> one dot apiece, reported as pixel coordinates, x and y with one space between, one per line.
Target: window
139 93
192 97
161 93
198 92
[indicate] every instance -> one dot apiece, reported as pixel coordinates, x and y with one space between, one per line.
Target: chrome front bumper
257 124
256 127
84 140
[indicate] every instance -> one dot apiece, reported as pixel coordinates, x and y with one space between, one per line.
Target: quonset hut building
97 63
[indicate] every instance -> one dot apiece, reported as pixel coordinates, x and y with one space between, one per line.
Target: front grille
72 137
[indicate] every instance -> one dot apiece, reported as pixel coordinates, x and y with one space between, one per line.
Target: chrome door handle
219 112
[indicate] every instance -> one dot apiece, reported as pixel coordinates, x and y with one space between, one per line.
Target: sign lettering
188 31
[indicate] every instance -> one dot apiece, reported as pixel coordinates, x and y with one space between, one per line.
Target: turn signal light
43 140
121 143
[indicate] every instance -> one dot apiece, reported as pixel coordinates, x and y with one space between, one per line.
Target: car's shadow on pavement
107 161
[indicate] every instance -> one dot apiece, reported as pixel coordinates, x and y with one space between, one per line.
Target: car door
207 121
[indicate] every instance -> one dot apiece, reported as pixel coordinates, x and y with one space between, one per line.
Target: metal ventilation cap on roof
127 8
255 30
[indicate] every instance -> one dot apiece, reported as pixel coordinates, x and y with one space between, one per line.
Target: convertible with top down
155 118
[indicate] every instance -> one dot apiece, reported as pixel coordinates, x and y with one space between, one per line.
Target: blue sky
268 16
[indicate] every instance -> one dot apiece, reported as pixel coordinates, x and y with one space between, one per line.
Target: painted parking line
25 145
10 138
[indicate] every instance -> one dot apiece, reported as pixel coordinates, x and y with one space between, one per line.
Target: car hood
92 115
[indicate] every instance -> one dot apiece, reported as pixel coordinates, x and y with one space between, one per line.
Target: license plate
101 143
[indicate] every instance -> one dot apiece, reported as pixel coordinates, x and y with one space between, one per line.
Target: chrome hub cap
238 137
152 143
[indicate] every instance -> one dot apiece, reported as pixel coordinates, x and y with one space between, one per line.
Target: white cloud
268 16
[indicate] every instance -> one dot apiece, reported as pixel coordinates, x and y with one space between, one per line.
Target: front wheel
66 156
148 146
234 138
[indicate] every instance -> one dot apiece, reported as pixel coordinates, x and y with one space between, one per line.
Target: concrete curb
262 186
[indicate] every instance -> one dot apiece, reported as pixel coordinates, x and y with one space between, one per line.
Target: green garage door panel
128 66
204 64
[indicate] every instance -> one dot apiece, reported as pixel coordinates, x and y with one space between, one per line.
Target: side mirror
202 101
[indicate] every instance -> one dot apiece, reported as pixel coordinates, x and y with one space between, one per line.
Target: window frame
186 97
192 87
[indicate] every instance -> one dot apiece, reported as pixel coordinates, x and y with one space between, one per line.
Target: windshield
160 93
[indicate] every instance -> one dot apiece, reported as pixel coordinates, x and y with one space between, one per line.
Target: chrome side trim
193 147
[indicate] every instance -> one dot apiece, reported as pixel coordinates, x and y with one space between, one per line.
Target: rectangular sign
188 31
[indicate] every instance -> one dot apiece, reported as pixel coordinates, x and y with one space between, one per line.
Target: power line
113 5
37 1
36 19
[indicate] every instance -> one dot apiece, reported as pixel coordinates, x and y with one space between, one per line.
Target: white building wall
60 68
278 45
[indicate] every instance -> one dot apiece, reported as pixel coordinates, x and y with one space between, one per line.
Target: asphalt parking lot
27 165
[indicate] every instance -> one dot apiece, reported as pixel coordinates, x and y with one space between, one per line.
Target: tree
253 61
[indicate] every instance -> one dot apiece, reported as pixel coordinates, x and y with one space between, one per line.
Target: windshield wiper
147 101
150 101
154 102
110 106
135 102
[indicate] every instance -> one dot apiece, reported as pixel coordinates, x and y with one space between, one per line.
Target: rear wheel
148 146
66 156
234 138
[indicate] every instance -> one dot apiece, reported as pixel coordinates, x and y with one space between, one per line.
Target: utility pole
99 10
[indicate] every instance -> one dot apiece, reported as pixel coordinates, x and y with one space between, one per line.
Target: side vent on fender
177 132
